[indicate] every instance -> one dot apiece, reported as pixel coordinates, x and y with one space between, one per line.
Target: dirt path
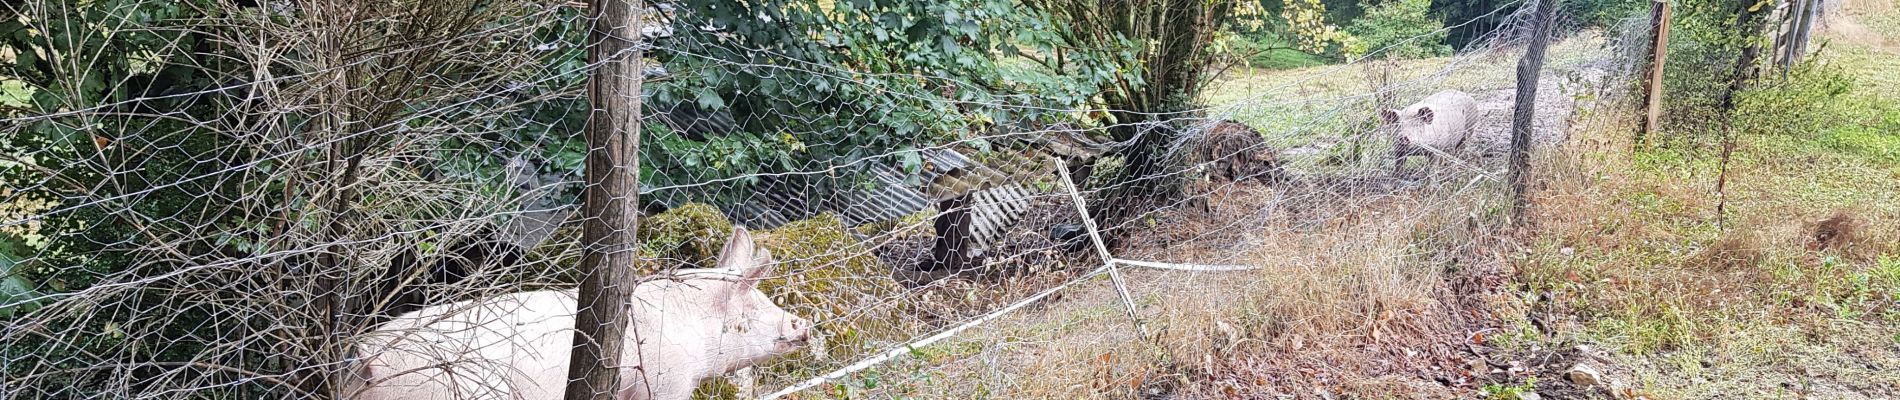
1555 103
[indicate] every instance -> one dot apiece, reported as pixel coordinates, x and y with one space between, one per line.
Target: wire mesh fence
210 199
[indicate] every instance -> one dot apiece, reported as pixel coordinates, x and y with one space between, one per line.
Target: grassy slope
1628 255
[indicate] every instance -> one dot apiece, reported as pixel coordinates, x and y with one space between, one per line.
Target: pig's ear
761 266
745 259
738 254
1390 116
1425 114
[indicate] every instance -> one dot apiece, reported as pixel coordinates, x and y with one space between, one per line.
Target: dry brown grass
1835 232
1734 251
1354 297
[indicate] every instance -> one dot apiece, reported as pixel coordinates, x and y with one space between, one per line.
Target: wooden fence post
1804 25
1525 113
609 207
1658 51
1788 23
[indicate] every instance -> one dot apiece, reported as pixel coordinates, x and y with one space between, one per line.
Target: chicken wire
231 234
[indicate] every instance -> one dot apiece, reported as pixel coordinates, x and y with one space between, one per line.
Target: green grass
1324 104
1279 59
1272 52
1656 298
1875 71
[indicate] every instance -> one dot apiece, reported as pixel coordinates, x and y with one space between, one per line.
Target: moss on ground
826 275
688 236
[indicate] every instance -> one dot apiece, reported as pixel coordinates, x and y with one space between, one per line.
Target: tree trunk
1142 182
1525 113
330 282
1173 66
610 206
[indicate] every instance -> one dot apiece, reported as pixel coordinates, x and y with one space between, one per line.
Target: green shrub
1810 100
1603 13
15 291
1707 40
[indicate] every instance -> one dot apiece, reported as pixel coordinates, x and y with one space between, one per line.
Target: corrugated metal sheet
998 184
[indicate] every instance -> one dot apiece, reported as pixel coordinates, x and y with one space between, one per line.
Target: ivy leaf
13 287
708 100
911 159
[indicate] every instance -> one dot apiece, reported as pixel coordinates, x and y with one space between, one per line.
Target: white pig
516 346
1441 121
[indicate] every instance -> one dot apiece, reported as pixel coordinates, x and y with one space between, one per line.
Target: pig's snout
798 334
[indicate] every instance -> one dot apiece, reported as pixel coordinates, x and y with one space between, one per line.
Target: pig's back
1455 113
496 348
1463 103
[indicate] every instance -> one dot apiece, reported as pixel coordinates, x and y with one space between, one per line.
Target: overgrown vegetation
1794 170
1629 244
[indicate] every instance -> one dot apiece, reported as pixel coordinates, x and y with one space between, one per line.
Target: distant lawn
1272 52
1278 59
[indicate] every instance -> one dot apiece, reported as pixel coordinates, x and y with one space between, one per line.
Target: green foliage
1158 54
870 77
1472 18
16 292
1807 102
1401 27
1708 39
172 201
119 196
1602 13
1307 21
14 93
1292 38
1720 24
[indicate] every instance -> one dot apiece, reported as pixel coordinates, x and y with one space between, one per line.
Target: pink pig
516 346
1441 122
